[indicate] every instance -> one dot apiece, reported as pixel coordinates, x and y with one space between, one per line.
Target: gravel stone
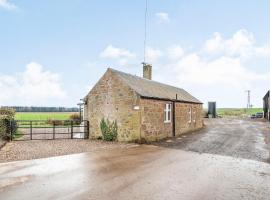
34 149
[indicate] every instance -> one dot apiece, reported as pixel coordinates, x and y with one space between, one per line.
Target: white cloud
175 52
241 44
232 72
123 56
163 17
222 69
152 54
7 5
223 79
114 52
34 86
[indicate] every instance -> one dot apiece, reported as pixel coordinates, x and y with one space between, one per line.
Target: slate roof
152 89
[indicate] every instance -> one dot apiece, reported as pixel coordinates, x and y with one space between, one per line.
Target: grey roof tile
153 89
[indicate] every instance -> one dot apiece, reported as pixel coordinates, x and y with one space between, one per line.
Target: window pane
190 117
167 112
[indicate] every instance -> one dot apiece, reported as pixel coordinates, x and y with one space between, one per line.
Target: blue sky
53 52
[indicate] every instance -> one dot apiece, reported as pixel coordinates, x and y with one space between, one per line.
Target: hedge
6 115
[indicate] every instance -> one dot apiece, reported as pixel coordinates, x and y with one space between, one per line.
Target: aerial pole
248 99
145 32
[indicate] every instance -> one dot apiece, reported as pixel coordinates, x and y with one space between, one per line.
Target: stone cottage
145 110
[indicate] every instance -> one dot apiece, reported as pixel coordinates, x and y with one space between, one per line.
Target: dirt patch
2 143
26 150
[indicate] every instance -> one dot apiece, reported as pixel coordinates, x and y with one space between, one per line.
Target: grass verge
43 115
237 112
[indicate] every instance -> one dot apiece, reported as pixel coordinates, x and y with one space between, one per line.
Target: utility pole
248 99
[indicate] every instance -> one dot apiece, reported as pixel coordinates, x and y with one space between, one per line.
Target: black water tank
212 109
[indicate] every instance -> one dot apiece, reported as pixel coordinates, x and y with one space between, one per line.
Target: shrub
108 130
55 122
7 123
76 118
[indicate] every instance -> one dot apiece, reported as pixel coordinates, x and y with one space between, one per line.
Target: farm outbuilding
266 106
212 109
145 110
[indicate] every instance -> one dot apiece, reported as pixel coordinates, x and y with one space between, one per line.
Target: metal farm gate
48 130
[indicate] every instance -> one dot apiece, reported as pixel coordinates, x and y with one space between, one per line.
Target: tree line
41 109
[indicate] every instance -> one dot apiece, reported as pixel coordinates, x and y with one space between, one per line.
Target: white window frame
168 113
194 116
190 115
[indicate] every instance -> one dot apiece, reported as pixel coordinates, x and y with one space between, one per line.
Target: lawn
43 115
239 112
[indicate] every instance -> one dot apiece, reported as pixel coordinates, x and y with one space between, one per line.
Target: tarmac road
144 172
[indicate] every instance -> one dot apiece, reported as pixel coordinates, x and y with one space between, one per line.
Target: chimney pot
147 71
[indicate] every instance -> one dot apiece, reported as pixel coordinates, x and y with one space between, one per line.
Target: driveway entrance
239 138
144 172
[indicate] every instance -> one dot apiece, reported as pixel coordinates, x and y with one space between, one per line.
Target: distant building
212 109
266 106
145 110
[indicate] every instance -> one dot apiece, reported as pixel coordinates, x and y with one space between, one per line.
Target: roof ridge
154 89
145 78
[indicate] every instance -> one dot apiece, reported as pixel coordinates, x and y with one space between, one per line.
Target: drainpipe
173 116
173 119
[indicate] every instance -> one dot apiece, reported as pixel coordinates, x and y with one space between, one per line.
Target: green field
43 115
238 112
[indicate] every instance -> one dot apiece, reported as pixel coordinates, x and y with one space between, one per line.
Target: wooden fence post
71 129
31 130
10 129
53 130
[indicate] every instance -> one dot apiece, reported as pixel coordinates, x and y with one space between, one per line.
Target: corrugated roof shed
152 89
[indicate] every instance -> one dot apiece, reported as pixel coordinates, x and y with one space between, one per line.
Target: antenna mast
248 99
145 31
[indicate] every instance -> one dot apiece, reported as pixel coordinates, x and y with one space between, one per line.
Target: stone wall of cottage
112 99
183 124
152 119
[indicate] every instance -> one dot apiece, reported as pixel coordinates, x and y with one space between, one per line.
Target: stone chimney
147 71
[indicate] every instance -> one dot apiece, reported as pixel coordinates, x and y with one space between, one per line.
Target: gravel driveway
240 138
25 150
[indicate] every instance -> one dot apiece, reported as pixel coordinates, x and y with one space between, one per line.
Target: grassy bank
238 112
43 115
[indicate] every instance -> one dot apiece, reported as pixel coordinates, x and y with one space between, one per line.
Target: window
167 113
194 116
190 115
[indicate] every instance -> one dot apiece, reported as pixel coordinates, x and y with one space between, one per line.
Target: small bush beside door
108 130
